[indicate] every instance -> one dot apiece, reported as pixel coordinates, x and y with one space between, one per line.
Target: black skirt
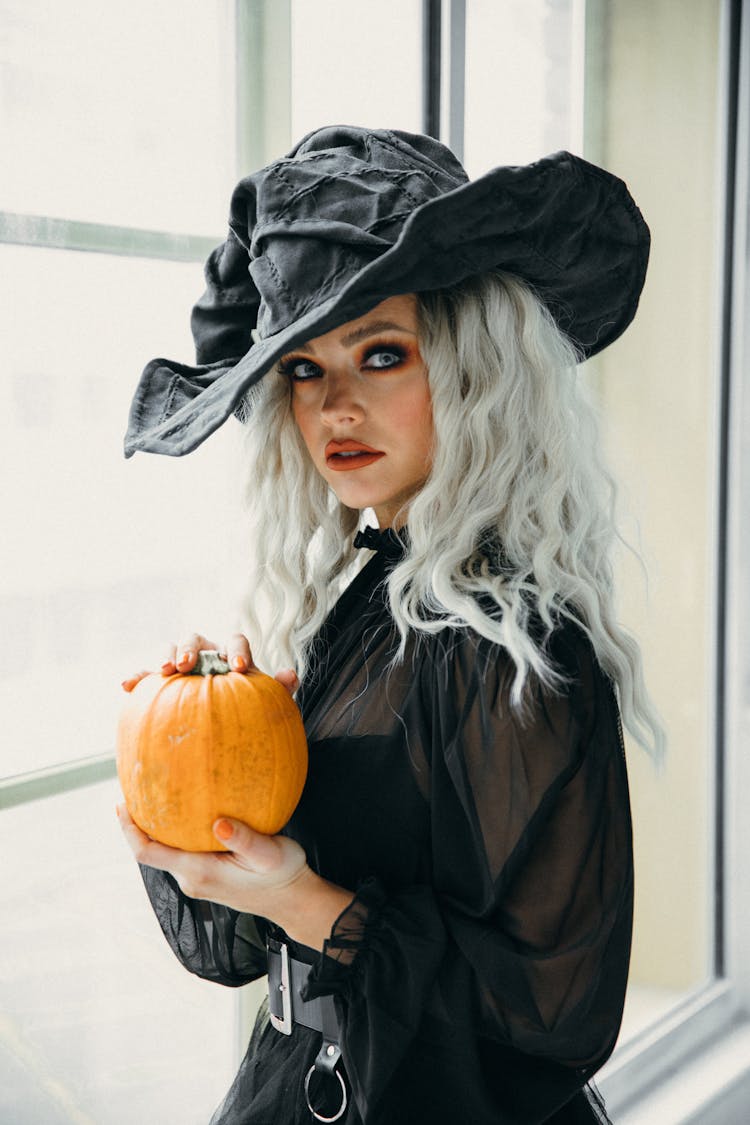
270 1089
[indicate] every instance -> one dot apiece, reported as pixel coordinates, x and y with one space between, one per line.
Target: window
659 389
127 134
106 219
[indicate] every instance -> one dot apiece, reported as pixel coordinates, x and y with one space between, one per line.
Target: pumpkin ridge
269 710
152 719
297 767
280 761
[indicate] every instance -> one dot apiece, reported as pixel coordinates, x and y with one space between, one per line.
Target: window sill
712 1088
692 1068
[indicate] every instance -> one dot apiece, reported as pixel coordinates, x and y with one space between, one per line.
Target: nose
341 402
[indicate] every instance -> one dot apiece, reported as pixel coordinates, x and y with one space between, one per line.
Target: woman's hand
256 866
182 658
265 875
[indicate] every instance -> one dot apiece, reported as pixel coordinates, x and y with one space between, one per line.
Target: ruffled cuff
351 934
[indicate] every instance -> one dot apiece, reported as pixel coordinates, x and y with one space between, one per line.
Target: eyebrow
361 333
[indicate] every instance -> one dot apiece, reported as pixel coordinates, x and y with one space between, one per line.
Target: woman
446 919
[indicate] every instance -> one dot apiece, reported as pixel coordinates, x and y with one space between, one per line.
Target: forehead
394 314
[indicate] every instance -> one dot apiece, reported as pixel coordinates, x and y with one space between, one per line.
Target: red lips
343 455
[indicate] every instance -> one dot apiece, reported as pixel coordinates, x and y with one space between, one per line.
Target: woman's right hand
182 658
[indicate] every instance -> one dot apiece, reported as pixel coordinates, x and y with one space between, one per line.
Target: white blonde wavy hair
518 506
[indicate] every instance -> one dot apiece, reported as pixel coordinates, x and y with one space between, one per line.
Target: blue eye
380 357
299 370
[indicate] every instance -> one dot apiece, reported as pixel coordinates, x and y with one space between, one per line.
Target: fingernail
167 665
223 829
238 663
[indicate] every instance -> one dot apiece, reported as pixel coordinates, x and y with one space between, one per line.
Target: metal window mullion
431 41
730 115
263 82
734 690
457 78
98 238
57 779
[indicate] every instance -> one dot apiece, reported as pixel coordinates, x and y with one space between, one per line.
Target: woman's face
361 400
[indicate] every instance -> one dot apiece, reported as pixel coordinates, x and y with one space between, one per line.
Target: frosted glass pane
659 390
100 1023
524 81
103 560
118 113
355 62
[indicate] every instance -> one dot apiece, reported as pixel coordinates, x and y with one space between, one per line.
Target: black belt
286 978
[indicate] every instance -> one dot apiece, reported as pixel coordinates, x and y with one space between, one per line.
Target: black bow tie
387 541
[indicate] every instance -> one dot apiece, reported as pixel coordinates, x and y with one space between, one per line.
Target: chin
356 500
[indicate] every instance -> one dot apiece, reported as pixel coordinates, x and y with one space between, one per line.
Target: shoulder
462 672
566 645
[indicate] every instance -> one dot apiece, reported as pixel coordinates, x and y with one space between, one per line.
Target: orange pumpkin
191 748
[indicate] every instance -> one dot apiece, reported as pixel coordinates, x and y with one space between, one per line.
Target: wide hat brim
568 229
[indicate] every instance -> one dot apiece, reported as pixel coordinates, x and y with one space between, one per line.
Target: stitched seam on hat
297 194
384 220
169 399
227 298
344 269
138 406
278 278
426 165
405 191
366 169
352 173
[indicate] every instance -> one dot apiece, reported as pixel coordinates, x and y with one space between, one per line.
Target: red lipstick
344 455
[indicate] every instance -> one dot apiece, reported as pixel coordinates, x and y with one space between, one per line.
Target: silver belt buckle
283 1023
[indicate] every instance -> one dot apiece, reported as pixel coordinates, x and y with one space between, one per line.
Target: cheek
412 418
303 419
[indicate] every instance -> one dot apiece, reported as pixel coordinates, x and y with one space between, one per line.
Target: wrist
309 913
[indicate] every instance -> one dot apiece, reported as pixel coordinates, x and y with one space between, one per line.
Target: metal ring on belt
318 1116
286 978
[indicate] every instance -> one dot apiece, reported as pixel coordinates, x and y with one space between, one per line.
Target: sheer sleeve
212 941
510 967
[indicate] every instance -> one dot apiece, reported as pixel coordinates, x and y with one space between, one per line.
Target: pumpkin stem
209 663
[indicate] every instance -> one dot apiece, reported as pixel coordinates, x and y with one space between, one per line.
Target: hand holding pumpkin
183 658
264 875
257 867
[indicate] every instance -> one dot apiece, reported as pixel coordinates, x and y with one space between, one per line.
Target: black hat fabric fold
352 216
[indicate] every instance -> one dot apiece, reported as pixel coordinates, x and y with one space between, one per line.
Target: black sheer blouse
480 972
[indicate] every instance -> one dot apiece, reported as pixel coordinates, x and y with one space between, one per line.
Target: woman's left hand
254 874
265 875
